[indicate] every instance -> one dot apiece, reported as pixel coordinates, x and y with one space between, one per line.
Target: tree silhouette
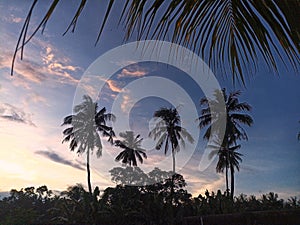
233 34
228 157
147 204
131 146
84 128
169 132
128 175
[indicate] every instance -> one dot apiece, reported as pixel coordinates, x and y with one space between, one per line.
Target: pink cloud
133 71
113 86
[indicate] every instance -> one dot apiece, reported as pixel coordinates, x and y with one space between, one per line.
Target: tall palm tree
235 116
84 127
233 34
132 149
169 132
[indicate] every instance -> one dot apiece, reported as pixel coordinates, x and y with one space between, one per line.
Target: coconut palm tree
169 133
132 149
84 127
233 34
235 117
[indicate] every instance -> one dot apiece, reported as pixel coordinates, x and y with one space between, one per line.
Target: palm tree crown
131 146
169 132
83 129
234 118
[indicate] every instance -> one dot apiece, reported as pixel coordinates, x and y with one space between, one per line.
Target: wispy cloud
127 103
42 62
59 159
12 113
132 72
11 18
58 65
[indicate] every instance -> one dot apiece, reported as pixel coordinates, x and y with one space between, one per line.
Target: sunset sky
41 93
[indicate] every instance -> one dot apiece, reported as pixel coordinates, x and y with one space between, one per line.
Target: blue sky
35 100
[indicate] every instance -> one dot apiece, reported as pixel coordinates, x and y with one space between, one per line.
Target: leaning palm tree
132 149
169 132
83 132
233 34
235 116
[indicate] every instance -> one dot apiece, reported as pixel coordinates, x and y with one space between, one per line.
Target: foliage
128 176
146 204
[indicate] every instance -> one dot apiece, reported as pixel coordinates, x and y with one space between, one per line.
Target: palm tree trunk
173 156
88 171
226 176
172 187
227 165
232 181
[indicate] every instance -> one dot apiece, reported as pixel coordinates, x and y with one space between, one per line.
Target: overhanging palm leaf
83 129
132 148
227 34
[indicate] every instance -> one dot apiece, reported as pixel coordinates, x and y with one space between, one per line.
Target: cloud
12 19
16 19
59 159
127 103
12 113
133 71
42 63
113 86
24 71
58 65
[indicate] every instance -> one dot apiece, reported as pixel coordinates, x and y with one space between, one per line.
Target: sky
47 82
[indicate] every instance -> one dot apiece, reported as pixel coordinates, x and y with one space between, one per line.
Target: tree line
123 204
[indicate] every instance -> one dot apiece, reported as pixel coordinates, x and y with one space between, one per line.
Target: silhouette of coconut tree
132 149
235 116
169 132
83 132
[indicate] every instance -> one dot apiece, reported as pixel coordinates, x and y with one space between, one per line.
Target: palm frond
67 120
204 101
234 33
186 135
204 120
241 107
242 118
75 18
132 149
